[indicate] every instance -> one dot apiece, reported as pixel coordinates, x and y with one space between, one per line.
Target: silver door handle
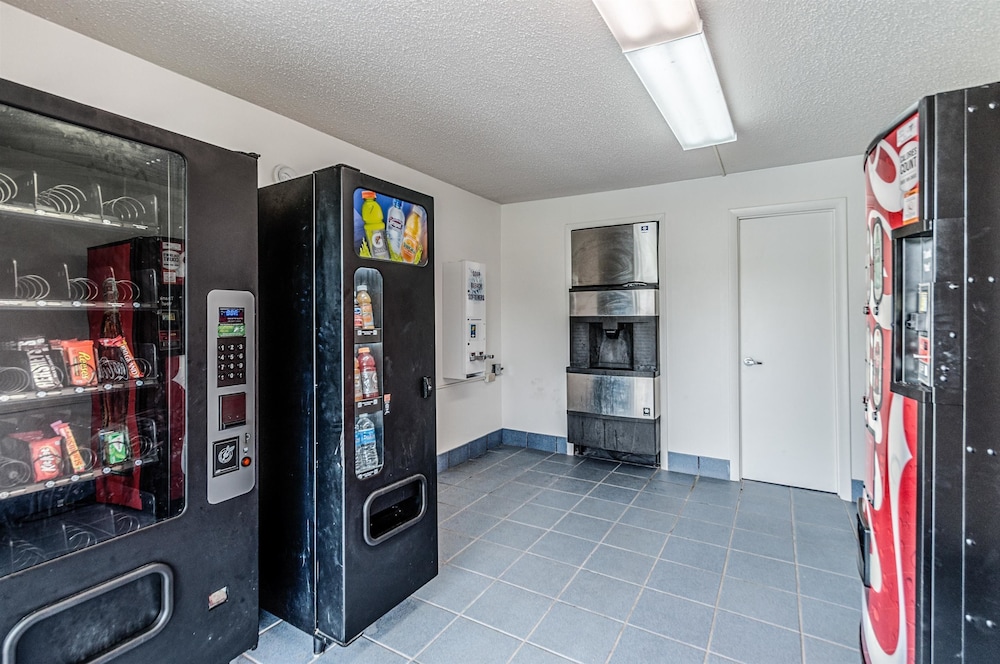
749 361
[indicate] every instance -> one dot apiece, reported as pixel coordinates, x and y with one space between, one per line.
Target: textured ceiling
517 100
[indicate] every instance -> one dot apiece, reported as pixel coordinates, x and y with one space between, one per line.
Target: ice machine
613 378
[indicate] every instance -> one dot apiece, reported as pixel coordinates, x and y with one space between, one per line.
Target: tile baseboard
509 437
698 465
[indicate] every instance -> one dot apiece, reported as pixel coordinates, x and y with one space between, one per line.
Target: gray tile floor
553 559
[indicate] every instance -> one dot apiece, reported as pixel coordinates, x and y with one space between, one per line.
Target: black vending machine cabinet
348 444
124 535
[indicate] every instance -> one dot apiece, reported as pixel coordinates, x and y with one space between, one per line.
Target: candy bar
27 436
81 361
46 458
72 449
114 446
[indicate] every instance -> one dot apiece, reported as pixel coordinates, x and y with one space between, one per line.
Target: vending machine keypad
231 361
232 445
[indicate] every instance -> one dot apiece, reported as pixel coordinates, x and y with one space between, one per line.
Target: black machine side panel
941 550
945 566
208 547
333 456
374 577
982 458
286 367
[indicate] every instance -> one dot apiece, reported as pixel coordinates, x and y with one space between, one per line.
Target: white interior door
788 349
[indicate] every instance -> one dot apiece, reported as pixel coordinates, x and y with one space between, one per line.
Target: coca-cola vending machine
128 502
929 547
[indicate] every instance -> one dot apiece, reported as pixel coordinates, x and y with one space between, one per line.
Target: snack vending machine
928 541
348 451
128 509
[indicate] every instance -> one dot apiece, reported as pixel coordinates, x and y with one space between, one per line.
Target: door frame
842 431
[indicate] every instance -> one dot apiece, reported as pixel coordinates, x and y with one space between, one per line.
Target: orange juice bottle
412 249
365 304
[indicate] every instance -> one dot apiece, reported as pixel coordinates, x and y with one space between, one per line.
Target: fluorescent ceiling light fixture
664 42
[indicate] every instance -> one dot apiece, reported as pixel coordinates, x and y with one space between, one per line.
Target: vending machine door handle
426 386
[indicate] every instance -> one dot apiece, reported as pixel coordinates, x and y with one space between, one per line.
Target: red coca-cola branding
888 616
130 365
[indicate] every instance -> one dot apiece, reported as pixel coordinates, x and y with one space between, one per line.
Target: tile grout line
656 560
461 614
584 562
722 578
497 579
556 598
384 646
532 459
468 506
575 573
798 582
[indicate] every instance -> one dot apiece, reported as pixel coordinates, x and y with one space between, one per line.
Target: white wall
48 57
697 303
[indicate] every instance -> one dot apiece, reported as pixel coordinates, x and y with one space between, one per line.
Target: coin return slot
232 410
394 508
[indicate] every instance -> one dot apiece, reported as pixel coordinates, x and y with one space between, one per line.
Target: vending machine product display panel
84 378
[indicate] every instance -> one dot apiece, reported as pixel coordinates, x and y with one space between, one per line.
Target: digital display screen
232 322
232 315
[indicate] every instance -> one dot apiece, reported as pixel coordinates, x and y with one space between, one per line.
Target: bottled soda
358 320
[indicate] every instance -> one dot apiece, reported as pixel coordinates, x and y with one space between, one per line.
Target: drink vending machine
128 508
929 545
349 458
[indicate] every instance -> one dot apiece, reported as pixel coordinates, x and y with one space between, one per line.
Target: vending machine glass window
369 401
916 273
91 335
